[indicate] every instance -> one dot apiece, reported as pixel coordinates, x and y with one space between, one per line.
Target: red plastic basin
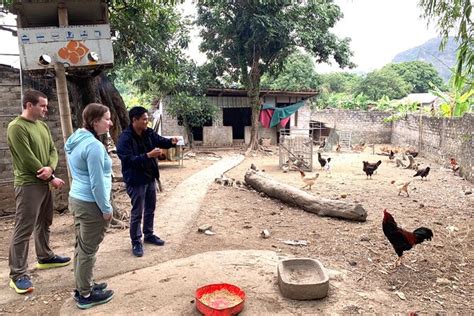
207 310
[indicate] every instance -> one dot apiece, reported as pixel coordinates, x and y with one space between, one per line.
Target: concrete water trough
302 279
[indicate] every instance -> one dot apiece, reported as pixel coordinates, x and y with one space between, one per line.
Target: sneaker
155 240
54 262
137 249
95 298
22 285
96 287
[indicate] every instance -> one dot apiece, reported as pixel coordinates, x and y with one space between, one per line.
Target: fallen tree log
308 202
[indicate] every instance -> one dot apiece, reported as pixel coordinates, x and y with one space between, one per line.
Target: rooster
369 168
454 165
423 173
309 179
401 239
401 186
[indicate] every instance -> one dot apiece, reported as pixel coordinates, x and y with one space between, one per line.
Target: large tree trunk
306 201
85 88
253 92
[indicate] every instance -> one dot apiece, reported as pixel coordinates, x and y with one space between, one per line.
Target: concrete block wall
365 126
439 139
217 135
10 92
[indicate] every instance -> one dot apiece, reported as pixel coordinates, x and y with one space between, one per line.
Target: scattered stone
452 228
203 228
401 295
209 232
442 281
296 242
468 192
247 226
352 263
343 195
422 205
265 234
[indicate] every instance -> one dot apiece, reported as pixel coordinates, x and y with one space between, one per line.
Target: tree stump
310 203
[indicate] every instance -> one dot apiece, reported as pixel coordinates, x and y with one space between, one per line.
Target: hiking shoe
95 298
22 285
137 249
54 262
155 240
96 287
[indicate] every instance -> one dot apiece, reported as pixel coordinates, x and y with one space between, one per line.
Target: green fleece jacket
32 148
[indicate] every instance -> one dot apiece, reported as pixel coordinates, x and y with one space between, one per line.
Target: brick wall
365 126
10 108
439 139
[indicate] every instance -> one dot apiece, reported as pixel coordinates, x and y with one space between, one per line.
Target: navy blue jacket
137 168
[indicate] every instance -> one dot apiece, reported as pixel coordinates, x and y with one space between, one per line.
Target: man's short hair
136 112
32 96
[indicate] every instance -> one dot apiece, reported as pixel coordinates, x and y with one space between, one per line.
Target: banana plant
458 100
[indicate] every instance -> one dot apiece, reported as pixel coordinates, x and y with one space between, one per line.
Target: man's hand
44 173
57 183
174 140
153 153
107 216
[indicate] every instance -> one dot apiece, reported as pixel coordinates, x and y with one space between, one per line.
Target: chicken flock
400 239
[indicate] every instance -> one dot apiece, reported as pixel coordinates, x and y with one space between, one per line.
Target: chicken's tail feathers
301 172
422 234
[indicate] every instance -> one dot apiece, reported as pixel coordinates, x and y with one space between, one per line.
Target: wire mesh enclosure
296 149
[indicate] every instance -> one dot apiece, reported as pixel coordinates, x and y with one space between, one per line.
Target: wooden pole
61 89
63 100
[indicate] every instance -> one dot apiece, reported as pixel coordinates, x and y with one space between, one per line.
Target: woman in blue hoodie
89 200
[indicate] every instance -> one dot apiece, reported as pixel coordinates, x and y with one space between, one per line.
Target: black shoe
155 240
96 287
137 249
54 262
95 298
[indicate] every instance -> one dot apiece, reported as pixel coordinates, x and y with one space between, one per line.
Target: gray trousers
89 227
34 213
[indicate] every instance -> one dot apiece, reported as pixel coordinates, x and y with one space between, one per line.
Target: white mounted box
81 46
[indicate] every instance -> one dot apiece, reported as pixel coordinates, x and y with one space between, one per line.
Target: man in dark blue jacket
138 147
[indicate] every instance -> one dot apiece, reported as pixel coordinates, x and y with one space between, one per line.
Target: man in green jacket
34 160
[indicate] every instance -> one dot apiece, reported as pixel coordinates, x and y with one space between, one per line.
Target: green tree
298 73
449 15
149 44
418 74
384 82
247 39
340 82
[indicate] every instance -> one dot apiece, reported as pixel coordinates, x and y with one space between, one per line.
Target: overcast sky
379 30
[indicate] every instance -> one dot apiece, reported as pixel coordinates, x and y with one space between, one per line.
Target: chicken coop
296 149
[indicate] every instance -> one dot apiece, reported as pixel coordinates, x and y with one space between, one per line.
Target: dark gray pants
34 213
89 227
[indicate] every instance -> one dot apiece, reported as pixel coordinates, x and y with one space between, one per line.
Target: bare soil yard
437 278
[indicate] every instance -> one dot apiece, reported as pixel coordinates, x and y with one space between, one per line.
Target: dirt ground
437 276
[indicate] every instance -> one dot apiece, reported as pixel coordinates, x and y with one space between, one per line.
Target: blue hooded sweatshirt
91 169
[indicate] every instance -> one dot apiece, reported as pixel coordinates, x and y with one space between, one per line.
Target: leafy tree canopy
383 82
419 75
250 38
298 73
340 82
149 42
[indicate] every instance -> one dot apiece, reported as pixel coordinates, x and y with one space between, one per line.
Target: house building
232 124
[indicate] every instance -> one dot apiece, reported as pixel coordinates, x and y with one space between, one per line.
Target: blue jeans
143 198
